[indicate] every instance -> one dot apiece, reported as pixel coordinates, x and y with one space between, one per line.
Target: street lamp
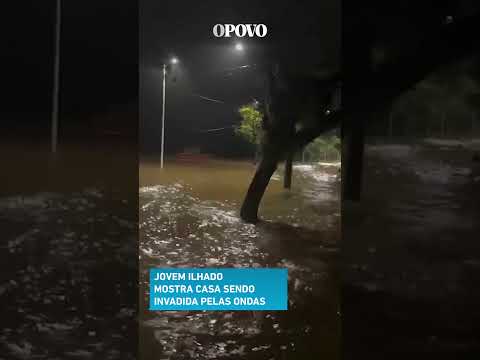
173 61
239 46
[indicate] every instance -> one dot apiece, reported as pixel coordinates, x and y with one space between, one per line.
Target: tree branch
372 90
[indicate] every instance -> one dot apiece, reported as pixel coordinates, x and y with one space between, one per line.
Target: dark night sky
307 30
102 41
99 60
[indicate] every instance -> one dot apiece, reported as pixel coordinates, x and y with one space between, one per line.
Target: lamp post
163 116
173 60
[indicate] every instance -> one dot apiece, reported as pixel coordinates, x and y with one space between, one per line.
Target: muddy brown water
189 217
68 250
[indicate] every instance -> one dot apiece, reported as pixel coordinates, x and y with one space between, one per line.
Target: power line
208 99
216 129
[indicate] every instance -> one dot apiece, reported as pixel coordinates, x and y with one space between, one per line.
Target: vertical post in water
163 116
56 79
287 180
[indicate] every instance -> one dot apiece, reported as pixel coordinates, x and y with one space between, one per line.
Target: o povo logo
240 30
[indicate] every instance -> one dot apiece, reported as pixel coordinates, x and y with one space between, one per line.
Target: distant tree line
444 105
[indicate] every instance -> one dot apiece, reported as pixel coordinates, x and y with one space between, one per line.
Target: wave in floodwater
177 229
52 255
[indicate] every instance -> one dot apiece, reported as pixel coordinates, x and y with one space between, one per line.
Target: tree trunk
257 154
265 170
287 180
450 43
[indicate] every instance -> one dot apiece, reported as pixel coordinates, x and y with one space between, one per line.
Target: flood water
68 255
411 254
189 218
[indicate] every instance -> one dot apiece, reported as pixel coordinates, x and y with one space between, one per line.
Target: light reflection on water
191 220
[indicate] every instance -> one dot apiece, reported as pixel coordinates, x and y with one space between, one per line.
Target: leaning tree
376 68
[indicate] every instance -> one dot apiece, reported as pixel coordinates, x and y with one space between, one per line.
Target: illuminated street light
173 61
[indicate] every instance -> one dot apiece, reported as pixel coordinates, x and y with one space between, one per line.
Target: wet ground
189 217
412 255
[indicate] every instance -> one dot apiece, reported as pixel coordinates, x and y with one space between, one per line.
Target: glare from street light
239 47
174 60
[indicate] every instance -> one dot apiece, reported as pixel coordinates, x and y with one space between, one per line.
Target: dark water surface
189 218
411 252
66 261
68 253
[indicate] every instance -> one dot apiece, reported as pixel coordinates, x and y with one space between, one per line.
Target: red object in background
192 157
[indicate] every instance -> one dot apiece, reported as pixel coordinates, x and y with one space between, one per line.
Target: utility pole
163 117
56 79
173 61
